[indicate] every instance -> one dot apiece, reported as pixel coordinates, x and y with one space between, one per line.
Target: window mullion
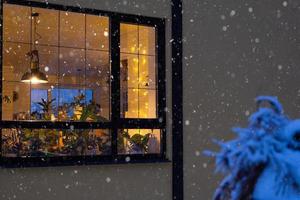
115 79
1 75
161 85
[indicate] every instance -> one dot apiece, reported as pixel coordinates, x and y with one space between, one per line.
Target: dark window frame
116 122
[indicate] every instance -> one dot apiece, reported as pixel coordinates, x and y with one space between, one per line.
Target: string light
105 33
132 49
144 61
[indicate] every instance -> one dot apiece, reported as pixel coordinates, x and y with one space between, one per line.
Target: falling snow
233 51
108 180
127 159
232 13
285 3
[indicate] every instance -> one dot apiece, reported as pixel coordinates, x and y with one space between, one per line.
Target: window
138 72
35 100
81 86
66 98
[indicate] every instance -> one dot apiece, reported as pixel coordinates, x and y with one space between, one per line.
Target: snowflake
108 180
232 13
127 159
247 112
285 3
224 28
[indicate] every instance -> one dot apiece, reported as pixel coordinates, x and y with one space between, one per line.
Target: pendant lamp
34 75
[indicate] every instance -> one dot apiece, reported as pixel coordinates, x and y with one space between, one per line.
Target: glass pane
147 103
147 72
72 29
71 67
98 80
129 103
52 142
49 62
47 26
129 70
147 40
15 61
139 141
129 38
97 32
16 21
36 96
15 101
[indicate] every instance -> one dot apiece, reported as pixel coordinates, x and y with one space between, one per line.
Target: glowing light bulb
34 80
105 33
132 49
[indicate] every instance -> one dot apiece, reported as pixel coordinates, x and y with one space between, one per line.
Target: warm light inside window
71 55
139 141
34 80
74 66
138 72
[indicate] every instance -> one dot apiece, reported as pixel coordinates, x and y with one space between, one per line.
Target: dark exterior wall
111 182
228 61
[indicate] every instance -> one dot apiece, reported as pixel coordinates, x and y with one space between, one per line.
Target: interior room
56 67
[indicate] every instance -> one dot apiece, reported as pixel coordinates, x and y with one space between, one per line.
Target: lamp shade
35 76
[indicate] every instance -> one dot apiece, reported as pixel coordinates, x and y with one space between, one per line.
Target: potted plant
138 143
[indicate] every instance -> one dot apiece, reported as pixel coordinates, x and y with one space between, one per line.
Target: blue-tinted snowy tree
262 162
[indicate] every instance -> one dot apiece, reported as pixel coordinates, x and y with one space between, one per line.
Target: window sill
22 162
